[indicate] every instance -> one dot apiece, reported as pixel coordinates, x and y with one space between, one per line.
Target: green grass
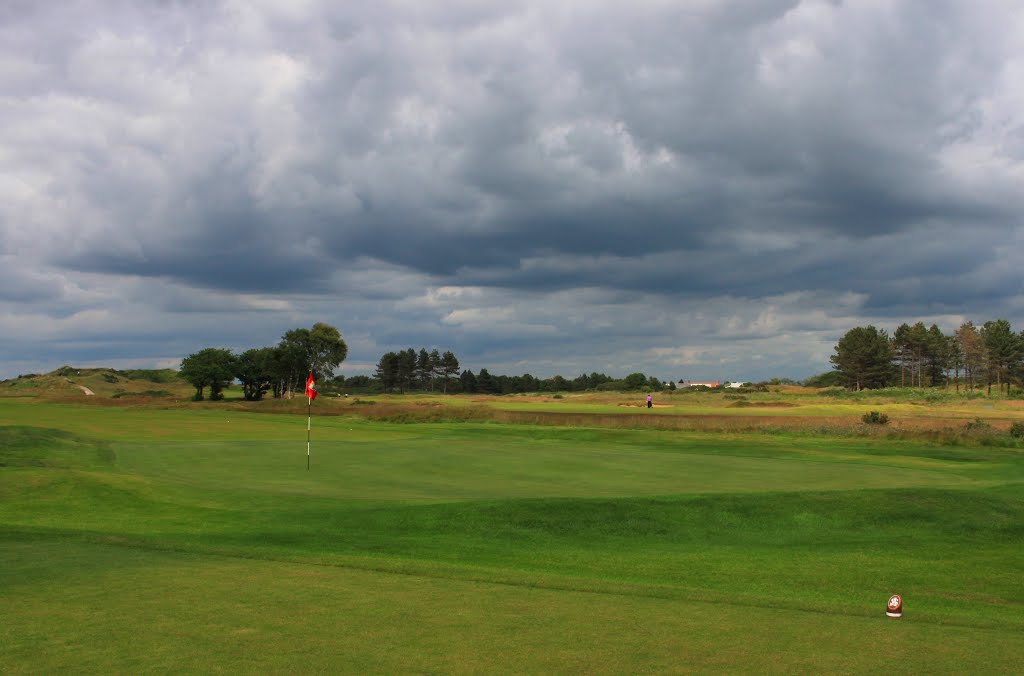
136 539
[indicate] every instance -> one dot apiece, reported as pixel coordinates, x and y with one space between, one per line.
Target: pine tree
387 371
1004 351
864 358
449 367
435 367
423 371
484 382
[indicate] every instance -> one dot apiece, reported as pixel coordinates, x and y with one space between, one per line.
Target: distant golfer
650 402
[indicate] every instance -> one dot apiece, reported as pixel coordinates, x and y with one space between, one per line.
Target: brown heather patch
795 389
742 403
941 429
682 422
369 408
644 405
423 412
935 430
109 402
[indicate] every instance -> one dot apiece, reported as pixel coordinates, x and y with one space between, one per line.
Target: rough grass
787 409
900 394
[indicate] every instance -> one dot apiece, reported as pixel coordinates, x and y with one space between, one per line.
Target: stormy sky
694 189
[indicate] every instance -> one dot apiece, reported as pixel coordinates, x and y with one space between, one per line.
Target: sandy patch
643 405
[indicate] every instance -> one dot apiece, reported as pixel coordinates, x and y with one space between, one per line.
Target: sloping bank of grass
410 504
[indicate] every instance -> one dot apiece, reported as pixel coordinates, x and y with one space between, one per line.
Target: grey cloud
342 158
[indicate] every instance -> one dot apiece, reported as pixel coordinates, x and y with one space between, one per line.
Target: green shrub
875 418
827 379
1017 430
908 394
978 426
834 392
152 375
144 393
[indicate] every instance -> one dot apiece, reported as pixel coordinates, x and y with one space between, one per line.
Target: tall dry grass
937 430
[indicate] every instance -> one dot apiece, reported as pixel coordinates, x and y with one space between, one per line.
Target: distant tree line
408 370
485 383
280 369
414 370
970 357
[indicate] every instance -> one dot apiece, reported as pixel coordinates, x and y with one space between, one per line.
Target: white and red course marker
895 606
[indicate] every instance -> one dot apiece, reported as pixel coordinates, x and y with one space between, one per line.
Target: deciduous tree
635 381
253 370
320 349
211 367
973 350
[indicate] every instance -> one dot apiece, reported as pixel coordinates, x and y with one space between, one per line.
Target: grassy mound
69 382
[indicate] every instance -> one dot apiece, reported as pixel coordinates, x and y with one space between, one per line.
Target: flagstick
309 419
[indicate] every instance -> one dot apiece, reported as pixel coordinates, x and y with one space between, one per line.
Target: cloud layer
703 189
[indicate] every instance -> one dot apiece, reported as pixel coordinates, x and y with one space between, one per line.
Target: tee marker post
894 608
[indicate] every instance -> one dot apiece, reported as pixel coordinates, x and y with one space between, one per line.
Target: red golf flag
310 388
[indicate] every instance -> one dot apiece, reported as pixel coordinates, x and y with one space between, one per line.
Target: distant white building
738 383
697 383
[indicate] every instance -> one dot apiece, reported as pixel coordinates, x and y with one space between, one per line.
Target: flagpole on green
310 396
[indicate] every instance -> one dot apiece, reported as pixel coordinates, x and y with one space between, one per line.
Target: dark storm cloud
468 171
246 251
